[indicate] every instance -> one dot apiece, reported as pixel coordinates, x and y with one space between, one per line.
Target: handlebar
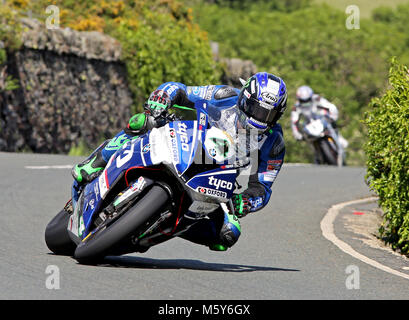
165 116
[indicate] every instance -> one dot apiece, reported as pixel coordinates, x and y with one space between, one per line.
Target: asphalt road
280 255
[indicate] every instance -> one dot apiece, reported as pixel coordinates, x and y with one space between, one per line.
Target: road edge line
327 228
67 166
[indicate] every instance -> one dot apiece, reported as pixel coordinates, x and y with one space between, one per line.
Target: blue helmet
263 99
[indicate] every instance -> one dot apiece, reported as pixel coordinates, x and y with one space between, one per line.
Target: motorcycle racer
259 105
309 104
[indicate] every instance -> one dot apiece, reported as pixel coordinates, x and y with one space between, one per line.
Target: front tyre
99 245
57 237
329 152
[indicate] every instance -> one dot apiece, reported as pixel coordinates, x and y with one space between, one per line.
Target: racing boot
229 233
91 167
219 231
138 124
218 247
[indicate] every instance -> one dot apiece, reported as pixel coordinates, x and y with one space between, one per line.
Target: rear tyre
101 244
57 237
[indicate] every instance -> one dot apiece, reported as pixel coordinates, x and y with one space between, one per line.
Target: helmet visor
305 102
260 110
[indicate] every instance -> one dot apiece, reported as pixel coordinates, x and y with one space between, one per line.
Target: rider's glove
159 101
241 205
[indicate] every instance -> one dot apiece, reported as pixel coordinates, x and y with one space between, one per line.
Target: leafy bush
10 30
162 49
387 150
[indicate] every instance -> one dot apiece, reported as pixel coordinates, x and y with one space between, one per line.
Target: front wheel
57 237
329 152
100 245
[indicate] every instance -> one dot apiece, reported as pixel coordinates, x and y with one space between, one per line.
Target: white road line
327 227
296 164
68 166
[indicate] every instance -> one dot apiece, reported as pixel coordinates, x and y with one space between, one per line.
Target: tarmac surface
282 253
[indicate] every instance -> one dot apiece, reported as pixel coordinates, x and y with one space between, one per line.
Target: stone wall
72 87
233 68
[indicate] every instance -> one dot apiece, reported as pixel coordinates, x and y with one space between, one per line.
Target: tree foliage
311 45
387 149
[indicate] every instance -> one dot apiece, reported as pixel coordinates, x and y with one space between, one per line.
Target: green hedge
164 49
10 30
387 152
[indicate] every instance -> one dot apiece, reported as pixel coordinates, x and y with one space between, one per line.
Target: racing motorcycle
153 189
325 141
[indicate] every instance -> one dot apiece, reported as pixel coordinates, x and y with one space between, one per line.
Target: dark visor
305 100
256 110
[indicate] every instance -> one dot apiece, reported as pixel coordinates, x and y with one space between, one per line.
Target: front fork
340 149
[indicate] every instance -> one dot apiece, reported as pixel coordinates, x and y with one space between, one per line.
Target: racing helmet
304 96
263 100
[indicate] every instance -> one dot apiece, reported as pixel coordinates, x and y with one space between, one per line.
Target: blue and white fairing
217 184
173 145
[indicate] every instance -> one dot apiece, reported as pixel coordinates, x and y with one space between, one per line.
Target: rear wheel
102 243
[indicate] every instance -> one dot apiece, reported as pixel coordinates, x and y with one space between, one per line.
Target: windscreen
234 122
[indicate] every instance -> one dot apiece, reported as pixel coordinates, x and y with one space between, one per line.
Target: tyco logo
219 183
182 131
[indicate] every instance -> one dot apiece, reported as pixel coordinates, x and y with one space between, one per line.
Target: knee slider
230 233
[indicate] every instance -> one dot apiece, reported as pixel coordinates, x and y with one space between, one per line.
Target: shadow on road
148 263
